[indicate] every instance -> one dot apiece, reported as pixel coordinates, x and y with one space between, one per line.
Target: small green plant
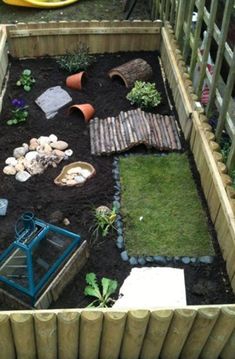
19 112
26 80
78 60
108 287
104 220
225 144
144 95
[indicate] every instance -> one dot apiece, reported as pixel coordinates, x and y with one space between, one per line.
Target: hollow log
131 71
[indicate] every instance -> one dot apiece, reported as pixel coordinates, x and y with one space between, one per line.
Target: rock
12 161
19 152
79 179
206 259
133 261
35 168
58 153
160 260
149 259
185 260
26 147
33 144
71 182
124 256
116 204
56 217
193 260
31 156
119 231
66 222
85 173
42 140
68 152
116 197
120 242
22 176
53 138
19 167
141 261
59 145
9 170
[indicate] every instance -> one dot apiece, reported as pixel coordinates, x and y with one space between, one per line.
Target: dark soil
206 284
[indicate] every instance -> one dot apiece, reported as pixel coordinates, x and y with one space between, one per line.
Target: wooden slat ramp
132 128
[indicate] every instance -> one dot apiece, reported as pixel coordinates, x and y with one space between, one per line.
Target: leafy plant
225 147
104 220
108 287
144 95
26 80
78 60
19 112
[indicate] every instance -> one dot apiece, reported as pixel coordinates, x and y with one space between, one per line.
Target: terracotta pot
86 109
74 82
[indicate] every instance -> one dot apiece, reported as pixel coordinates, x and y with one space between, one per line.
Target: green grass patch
161 190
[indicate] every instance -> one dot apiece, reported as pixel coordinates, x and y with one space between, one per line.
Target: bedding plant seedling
26 80
19 112
161 209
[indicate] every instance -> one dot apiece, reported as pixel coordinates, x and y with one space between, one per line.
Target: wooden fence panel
7 347
57 38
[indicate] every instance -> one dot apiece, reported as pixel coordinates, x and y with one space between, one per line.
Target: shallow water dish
75 174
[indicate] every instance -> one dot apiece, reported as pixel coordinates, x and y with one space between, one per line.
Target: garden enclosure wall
189 332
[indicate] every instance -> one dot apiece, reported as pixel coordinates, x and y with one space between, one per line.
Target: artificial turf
161 208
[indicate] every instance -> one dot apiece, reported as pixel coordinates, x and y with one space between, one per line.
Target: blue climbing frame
30 232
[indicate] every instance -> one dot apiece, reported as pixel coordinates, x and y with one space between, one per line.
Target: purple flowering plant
19 112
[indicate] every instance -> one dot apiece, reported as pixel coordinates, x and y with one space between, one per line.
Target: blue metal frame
22 236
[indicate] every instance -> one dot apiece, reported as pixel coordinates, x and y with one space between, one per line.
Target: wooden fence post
136 325
7 348
177 333
156 332
186 46
112 333
220 334
23 333
90 334
199 332
180 20
68 331
46 335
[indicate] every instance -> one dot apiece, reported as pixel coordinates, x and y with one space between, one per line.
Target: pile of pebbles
33 158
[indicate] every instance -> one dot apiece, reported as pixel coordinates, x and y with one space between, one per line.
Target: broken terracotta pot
75 82
75 174
86 109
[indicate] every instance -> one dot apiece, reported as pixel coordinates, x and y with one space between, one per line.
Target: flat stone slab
151 287
52 100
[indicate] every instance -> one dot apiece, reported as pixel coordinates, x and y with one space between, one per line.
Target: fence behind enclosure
189 36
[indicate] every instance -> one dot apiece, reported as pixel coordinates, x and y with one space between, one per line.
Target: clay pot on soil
75 82
86 109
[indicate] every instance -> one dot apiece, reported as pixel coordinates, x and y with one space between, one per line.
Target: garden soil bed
206 284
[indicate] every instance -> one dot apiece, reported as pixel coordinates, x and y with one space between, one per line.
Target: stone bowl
75 174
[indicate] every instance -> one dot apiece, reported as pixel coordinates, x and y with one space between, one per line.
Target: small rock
46 149
141 261
19 167
160 260
79 179
119 224
22 176
9 170
116 204
58 153
124 256
133 261
11 161
149 259
66 221
31 156
193 260
53 138
71 182
169 258
33 144
59 145
119 231
56 217
206 259
185 260
26 147
68 152
42 140
19 152
120 245
116 198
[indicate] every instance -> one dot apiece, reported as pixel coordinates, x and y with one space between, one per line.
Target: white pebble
11 161
53 138
22 176
9 170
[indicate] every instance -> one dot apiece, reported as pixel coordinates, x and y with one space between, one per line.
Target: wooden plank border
3 61
57 38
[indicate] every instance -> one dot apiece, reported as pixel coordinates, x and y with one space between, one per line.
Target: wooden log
171 133
7 348
157 329
133 127
90 334
136 122
154 140
129 129
92 137
132 71
23 333
136 325
106 135
97 136
119 134
113 125
220 334
68 331
229 350
158 130
122 131
199 332
166 132
112 147
112 333
145 130
164 139
177 333
102 137
46 335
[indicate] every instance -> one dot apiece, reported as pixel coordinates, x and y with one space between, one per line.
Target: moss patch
162 212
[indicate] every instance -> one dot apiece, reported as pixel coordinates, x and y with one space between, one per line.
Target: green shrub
26 80
78 60
144 95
